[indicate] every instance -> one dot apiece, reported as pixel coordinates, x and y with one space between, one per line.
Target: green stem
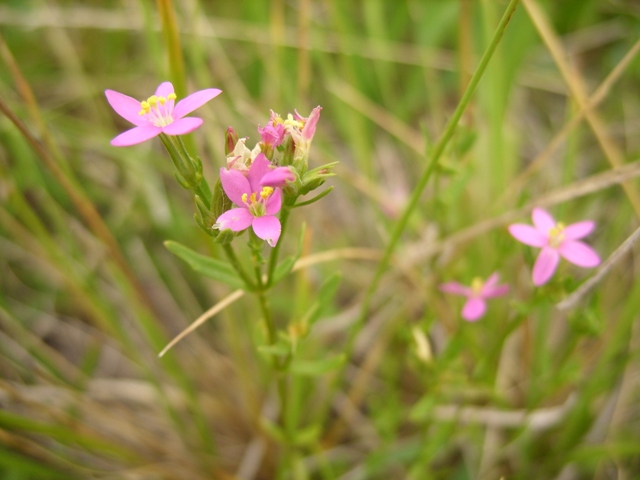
431 165
231 256
273 258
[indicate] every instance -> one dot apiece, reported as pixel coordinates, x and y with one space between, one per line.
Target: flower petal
259 168
267 228
278 177
274 202
579 254
492 280
236 219
456 289
542 220
473 309
494 290
125 106
234 184
164 89
182 126
545 265
193 101
578 230
528 235
136 135
309 129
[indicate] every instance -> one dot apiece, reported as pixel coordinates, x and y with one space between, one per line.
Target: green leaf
308 436
273 430
210 267
279 349
283 268
314 368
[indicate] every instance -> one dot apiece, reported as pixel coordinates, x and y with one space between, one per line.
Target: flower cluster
255 181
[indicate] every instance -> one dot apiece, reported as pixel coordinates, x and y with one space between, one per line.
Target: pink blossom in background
477 294
157 114
257 204
556 240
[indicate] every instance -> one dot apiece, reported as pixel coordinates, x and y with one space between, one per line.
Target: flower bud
231 138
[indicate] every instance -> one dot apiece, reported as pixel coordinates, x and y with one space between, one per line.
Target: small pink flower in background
556 240
477 294
257 204
157 114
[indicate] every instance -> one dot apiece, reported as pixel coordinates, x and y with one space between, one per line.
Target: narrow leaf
210 267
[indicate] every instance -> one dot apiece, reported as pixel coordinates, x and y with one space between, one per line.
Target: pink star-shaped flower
157 114
556 240
257 204
477 294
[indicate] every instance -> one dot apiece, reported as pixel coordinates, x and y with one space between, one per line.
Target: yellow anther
152 100
244 198
266 192
294 123
162 100
253 197
171 96
476 285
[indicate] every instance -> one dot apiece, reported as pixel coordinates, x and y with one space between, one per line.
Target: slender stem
431 164
231 256
273 258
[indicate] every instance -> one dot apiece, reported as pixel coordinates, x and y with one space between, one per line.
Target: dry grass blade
578 92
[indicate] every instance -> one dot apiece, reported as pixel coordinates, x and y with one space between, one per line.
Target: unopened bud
231 138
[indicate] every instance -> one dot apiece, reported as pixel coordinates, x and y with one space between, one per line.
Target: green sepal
210 267
182 181
225 236
220 203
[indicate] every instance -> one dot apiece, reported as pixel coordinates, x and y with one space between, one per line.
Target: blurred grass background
89 295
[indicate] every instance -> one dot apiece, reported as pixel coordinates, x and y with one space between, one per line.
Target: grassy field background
89 295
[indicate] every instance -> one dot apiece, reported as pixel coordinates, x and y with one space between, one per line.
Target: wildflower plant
256 191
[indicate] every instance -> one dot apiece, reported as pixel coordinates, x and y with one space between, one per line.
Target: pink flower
273 133
556 240
476 306
303 129
157 114
257 204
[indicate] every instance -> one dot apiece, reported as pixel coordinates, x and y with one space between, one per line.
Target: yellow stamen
476 285
253 197
556 234
153 100
171 96
162 100
244 198
266 192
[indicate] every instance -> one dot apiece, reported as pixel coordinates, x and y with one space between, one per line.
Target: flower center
476 286
158 110
256 203
293 122
556 235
